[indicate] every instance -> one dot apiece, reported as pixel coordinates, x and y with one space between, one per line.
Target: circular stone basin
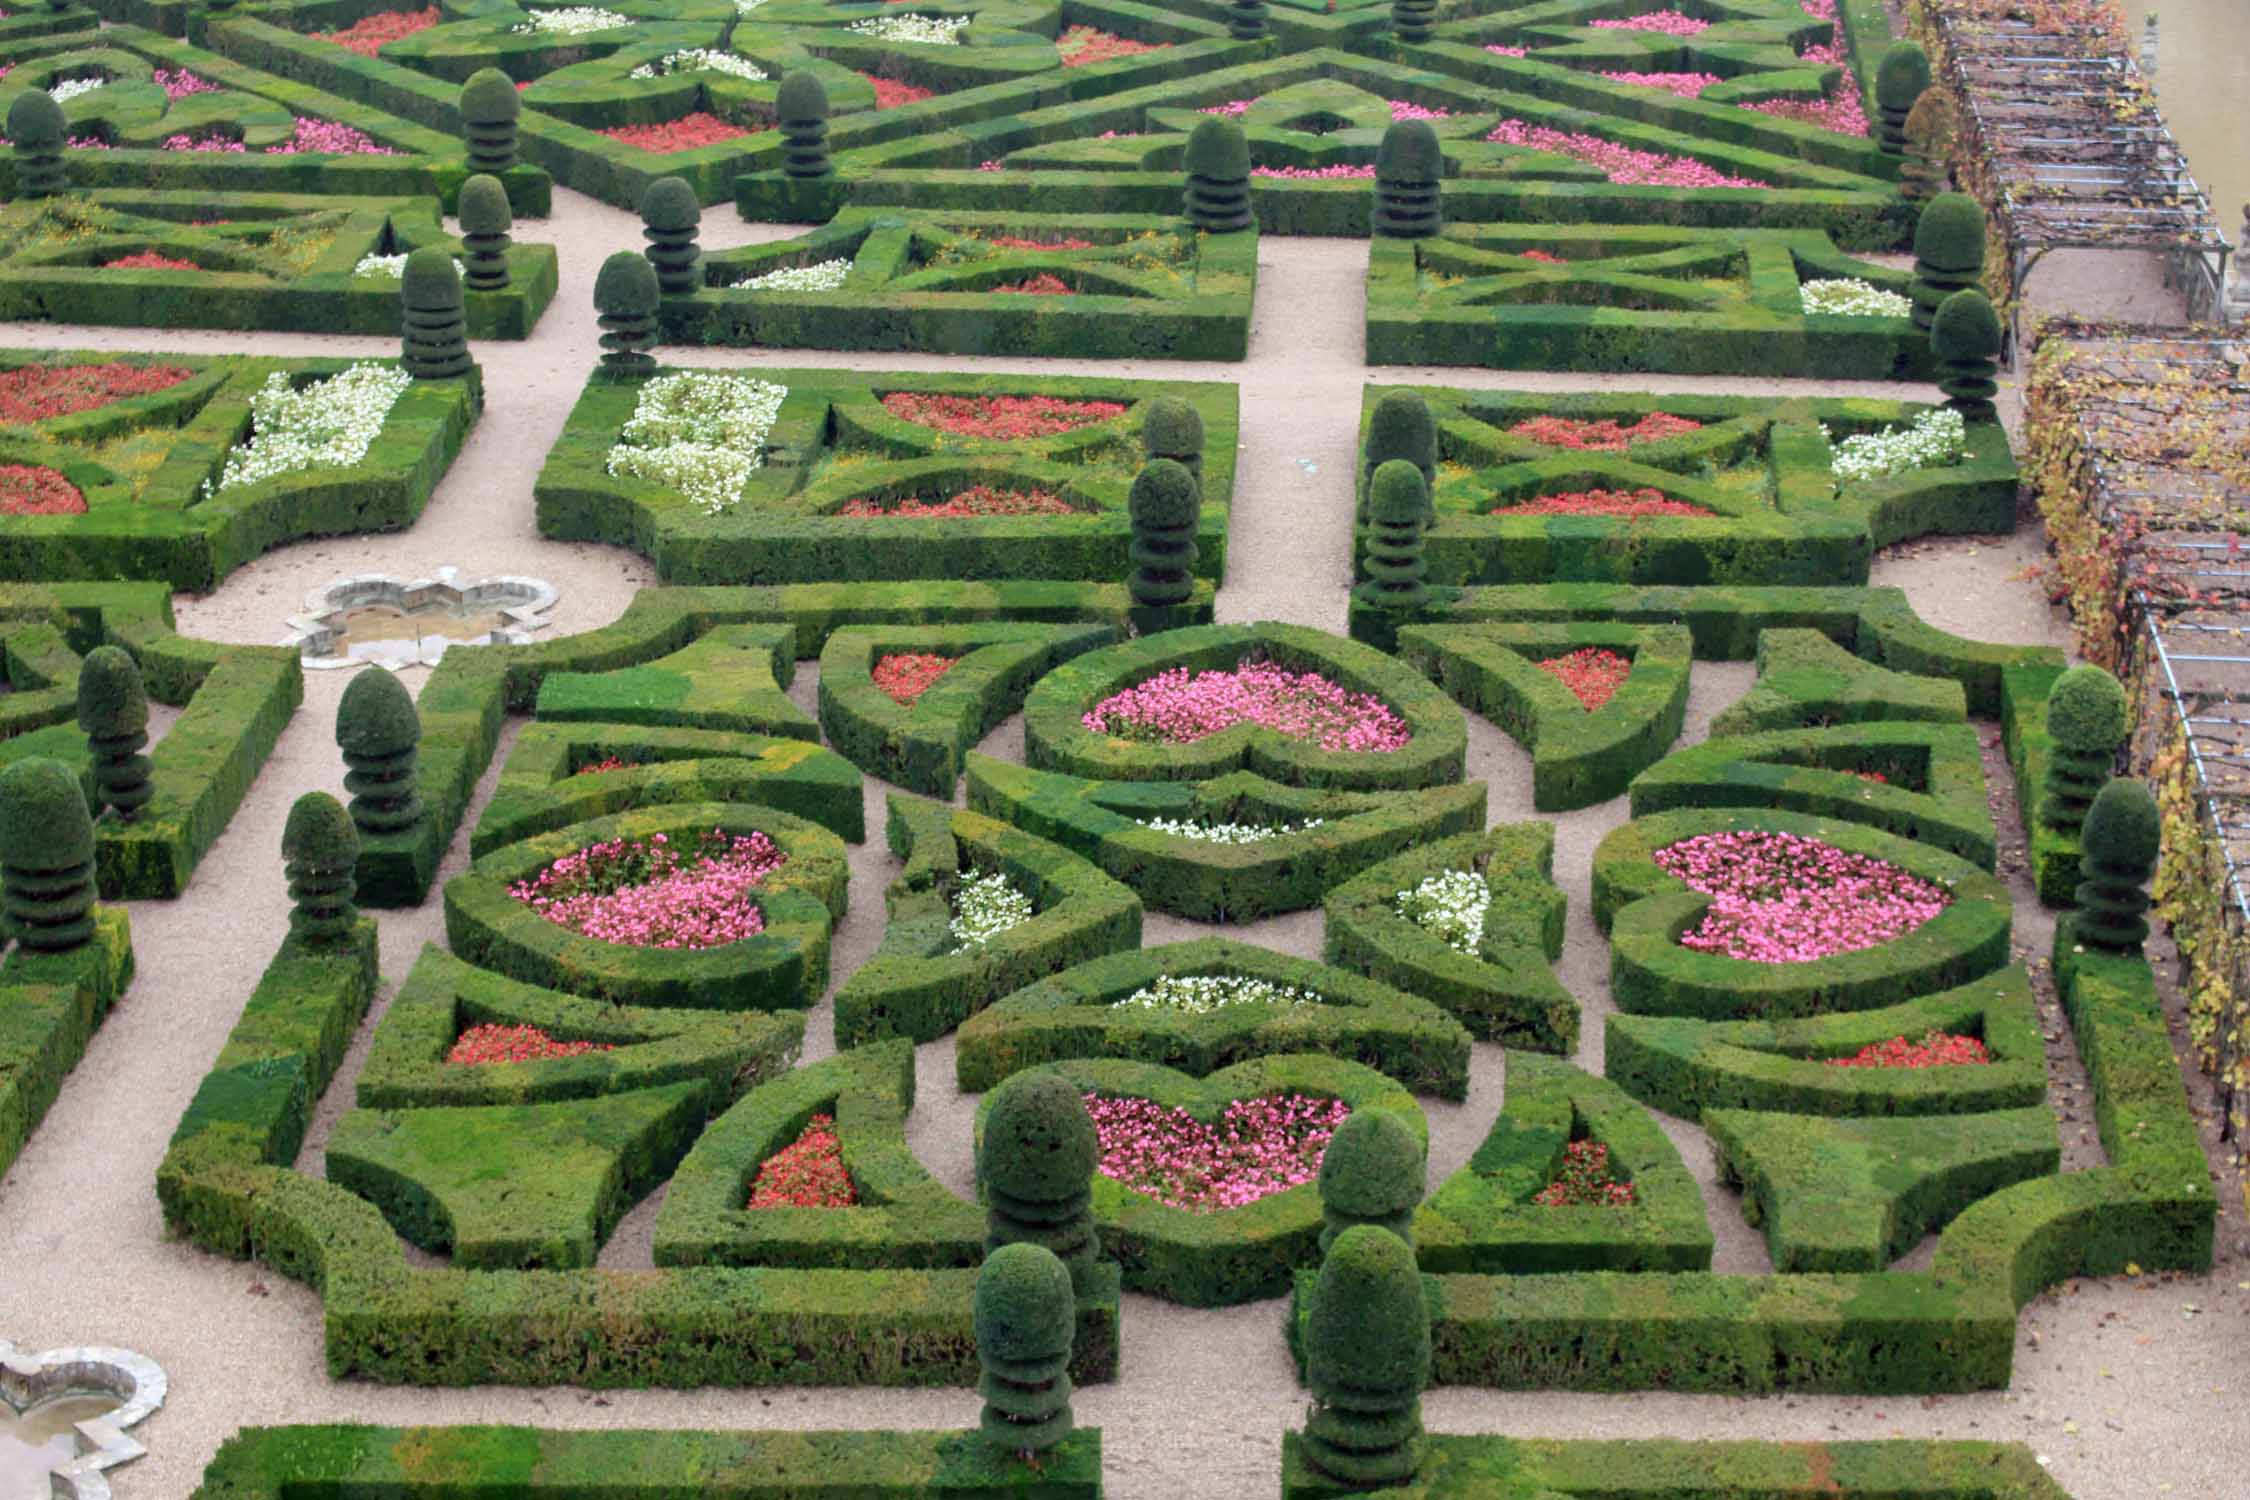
64 1416
405 623
35 1443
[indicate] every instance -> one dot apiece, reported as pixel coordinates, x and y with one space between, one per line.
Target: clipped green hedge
733 679
1806 680
51 1004
1075 1014
2055 852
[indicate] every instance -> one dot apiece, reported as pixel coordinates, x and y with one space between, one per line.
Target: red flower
1083 46
36 392
1586 1181
688 132
1003 417
1628 505
33 490
1541 255
983 500
149 260
808 1173
906 676
608 763
367 35
1604 436
1045 284
890 93
1591 673
1937 1049
493 1043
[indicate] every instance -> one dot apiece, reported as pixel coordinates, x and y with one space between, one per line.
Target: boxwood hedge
51 1004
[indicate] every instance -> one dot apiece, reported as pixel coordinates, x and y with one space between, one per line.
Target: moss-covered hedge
51 1004
2055 851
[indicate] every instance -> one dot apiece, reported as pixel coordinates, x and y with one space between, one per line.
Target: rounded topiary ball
2087 711
319 834
483 209
2124 830
44 824
111 699
1367 1358
1397 494
1373 1172
800 97
1039 1142
626 286
35 122
1164 494
1218 151
376 718
1173 428
1410 152
1901 76
1950 233
670 204
1402 427
490 98
431 282
1025 1306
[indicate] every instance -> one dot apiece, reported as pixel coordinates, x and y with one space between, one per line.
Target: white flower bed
1938 437
744 7
1853 298
328 425
823 277
985 907
930 31
393 266
700 60
1450 907
1201 994
1227 833
703 435
71 88
571 20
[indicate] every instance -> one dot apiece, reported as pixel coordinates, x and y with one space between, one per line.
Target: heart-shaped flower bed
1782 898
1259 1147
654 893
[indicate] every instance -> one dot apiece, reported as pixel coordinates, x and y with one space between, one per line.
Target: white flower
703 435
71 88
985 907
744 7
1450 907
930 31
1227 833
824 277
393 266
570 20
700 60
1937 437
330 424
1853 298
1199 995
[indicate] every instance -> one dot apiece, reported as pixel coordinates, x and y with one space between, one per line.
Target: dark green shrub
1948 252
485 222
320 849
1931 133
1367 1358
113 711
1409 171
434 323
1035 1165
378 730
2088 717
1246 20
801 107
1164 505
1397 503
1172 428
46 856
1401 427
1026 1312
2122 838
1414 21
490 107
35 125
1373 1172
670 217
1218 177
1899 80
1965 335
625 296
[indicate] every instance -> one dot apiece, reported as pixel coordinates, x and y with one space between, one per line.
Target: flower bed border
1806 678
2054 852
732 679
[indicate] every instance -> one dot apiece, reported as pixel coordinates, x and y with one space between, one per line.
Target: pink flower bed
1401 110
1003 417
646 893
690 131
1083 46
890 93
1587 1181
367 35
149 260
1604 435
311 136
1231 109
1842 111
982 500
179 83
1686 85
1779 898
1623 165
1177 708
36 490
1313 174
1258 1148
1626 505
1497 50
34 393
1937 1049
1669 22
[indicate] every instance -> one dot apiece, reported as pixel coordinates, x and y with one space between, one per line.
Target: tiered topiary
36 126
1164 504
1948 252
490 108
1026 1314
1931 134
1367 1358
1965 335
1172 428
1899 80
1218 177
2122 838
485 222
626 295
1246 20
1401 427
46 856
1409 173
1373 1172
1414 21
670 217
434 320
2088 717
801 107
378 730
320 848
113 711
1036 1165
1398 504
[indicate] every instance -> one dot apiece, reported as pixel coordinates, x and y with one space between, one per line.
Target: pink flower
1401 110
1501 51
644 893
1669 22
1175 708
1623 165
1779 898
1686 85
1259 1147
1313 174
1231 109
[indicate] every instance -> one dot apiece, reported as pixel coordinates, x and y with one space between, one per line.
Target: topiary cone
801 109
490 109
1036 1166
46 856
670 218
2121 842
1409 174
1949 245
626 295
1172 428
1367 1358
485 222
320 850
2088 717
1374 1172
1899 80
1217 162
434 325
1026 1314
1164 506
1397 504
377 730
1400 427
37 127
1965 335
1930 133
113 711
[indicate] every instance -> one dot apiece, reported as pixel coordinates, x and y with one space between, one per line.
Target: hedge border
2054 852
1804 676
51 1004
733 678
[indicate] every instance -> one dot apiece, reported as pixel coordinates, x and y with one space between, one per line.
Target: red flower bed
34 490
1004 417
1552 260
1045 284
149 260
608 763
1937 1049
807 1173
37 392
890 93
983 500
367 35
492 1043
905 676
1018 242
689 131
1602 436
1587 1181
1875 778
1083 46
1624 504
1592 674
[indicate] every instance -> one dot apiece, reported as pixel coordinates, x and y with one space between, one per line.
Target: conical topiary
434 323
1164 505
37 128
2122 839
1948 252
1373 1172
1931 132
378 730
490 108
1246 20
800 107
1414 21
320 849
46 856
485 222
1367 1358
1900 78
1026 1315
1218 177
670 217
1400 427
626 296
2088 718
1036 1166
113 710
1409 178
1965 336
1172 428
1397 502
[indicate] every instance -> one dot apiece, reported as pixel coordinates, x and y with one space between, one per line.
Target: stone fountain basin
133 1380
498 610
